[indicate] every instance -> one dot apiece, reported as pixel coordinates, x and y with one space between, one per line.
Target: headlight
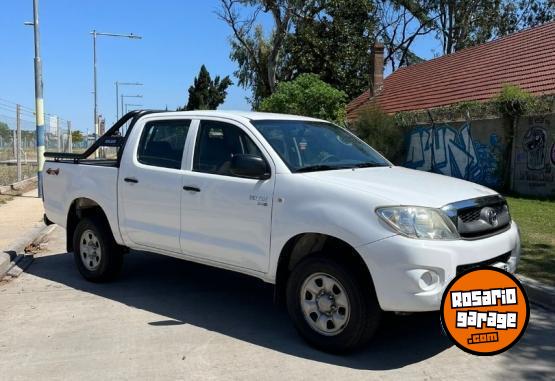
418 222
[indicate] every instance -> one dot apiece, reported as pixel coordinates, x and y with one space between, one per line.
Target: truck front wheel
97 255
331 306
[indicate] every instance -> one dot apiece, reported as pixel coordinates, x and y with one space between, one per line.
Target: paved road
169 319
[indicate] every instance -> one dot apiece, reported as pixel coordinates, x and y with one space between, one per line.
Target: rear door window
162 143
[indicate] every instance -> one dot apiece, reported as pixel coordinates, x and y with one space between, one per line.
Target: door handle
191 189
131 180
51 171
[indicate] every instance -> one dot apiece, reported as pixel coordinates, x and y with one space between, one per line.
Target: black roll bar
102 141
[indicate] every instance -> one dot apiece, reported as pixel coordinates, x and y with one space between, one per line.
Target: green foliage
253 73
509 103
77 136
207 94
465 23
259 54
309 96
382 132
332 38
536 223
513 101
334 44
5 131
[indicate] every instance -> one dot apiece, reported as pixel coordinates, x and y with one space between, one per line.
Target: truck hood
403 186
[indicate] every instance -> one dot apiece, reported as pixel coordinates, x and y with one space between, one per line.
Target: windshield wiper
319 167
369 165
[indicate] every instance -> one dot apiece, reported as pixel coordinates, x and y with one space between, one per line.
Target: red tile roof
525 58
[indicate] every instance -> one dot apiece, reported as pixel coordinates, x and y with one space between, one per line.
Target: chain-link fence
18 144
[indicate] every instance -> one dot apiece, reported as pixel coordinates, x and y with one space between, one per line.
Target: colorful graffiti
454 152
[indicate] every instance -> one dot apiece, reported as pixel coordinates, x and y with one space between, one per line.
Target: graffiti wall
467 150
534 172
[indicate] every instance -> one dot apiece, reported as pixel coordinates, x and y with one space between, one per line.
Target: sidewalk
19 217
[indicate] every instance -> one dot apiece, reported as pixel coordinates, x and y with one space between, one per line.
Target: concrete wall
467 150
475 151
534 172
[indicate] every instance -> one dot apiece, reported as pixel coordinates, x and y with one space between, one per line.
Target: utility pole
14 143
69 138
18 142
94 87
39 102
95 34
58 133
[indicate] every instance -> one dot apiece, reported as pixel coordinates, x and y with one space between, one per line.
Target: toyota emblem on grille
489 215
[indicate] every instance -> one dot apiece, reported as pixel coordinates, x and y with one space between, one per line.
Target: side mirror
249 166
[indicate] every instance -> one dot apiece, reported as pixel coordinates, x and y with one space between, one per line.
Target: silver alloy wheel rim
89 250
325 304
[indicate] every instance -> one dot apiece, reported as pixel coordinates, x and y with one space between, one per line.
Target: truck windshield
317 146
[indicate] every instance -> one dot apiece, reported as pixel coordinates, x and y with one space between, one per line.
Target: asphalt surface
170 319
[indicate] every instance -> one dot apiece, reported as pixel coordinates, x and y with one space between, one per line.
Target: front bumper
410 275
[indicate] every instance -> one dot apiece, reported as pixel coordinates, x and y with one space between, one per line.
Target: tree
77 136
401 23
330 38
463 23
259 57
307 95
5 132
207 94
333 41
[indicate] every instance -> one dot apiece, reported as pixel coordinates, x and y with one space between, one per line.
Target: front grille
470 215
504 258
480 217
473 214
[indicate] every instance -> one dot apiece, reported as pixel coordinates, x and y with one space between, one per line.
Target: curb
19 188
538 292
14 259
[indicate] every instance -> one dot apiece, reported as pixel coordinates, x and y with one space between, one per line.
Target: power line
10 106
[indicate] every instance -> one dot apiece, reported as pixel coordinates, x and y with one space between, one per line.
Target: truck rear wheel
332 308
97 255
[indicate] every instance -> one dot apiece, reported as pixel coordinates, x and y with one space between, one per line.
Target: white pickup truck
297 202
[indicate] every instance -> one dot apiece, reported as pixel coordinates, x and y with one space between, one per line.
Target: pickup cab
301 203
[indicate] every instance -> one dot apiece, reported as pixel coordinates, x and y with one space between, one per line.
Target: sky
178 37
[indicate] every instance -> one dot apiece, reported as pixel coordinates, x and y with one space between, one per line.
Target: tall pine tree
207 94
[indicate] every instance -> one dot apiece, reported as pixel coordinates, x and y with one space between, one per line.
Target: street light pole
39 101
131 105
94 86
95 91
127 96
117 94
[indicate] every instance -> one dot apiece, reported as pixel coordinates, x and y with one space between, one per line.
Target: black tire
110 262
364 315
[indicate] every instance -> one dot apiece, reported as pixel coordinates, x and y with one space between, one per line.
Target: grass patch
8 173
536 219
4 199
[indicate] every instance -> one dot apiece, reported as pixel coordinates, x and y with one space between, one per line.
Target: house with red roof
475 149
525 58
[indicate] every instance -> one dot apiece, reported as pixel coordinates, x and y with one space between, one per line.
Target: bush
307 95
381 131
513 101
